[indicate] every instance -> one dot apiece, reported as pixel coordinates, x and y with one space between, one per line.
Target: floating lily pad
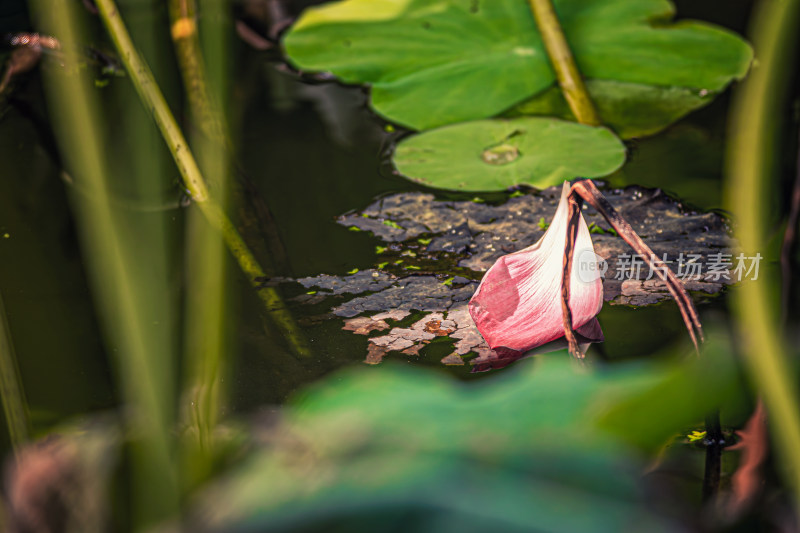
436 62
497 154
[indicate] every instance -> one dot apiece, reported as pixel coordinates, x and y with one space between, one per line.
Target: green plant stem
149 92
182 15
758 106
569 78
253 213
142 350
193 180
205 336
11 392
247 262
205 342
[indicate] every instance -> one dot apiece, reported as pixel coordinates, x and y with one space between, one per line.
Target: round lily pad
497 154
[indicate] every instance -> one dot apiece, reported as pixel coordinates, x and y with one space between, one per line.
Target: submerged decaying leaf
454 242
458 326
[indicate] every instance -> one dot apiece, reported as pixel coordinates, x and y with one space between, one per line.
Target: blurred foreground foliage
549 446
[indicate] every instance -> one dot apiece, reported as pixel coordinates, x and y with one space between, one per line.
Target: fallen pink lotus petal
517 306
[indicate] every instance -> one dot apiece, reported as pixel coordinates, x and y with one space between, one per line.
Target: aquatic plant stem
758 105
205 301
141 349
182 14
151 96
573 223
247 262
253 212
15 408
148 91
567 73
587 190
714 442
789 237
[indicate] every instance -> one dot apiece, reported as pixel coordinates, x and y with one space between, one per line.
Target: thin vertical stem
789 236
142 348
148 91
573 218
11 392
589 192
714 442
758 104
567 73
182 15
204 106
193 180
205 300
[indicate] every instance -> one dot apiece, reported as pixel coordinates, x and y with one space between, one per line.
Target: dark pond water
315 151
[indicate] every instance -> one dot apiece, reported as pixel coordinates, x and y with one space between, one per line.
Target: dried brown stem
714 442
589 192
748 480
566 275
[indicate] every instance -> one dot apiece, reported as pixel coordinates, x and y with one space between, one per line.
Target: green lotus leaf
496 154
630 109
436 62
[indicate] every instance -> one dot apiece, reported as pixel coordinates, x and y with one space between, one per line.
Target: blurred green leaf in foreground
550 446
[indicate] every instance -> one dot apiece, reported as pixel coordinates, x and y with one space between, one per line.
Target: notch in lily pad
500 154
497 154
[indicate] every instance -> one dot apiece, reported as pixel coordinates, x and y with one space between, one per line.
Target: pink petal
586 335
517 306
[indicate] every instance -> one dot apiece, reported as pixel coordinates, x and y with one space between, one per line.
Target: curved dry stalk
587 190
566 275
